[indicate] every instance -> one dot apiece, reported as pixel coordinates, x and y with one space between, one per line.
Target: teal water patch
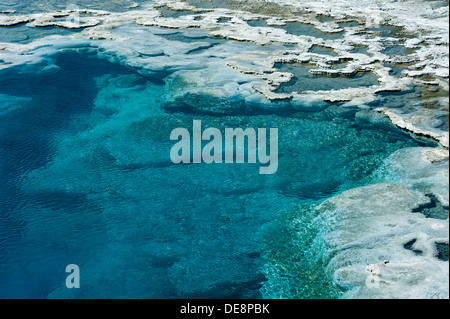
351 24
397 99
360 49
304 81
224 20
87 179
291 272
396 49
257 23
167 13
310 30
323 18
384 31
182 36
24 34
322 50
297 28
9 103
396 70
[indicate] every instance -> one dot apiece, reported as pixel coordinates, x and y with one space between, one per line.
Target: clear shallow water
86 178
322 50
173 14
361 49
296 28
384 31
395 50
24 34
304 81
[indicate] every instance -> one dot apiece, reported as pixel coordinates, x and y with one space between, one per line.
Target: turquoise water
86 178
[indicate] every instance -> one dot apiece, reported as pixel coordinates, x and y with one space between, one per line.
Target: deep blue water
86 178
26 144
